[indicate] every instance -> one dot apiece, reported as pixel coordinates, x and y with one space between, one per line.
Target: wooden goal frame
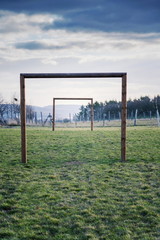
24 76
54 107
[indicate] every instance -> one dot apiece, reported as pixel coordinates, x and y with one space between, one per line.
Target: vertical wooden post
92 114
123 117
23 120
53 123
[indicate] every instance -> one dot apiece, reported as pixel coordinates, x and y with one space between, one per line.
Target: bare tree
30 115
3 108
14 109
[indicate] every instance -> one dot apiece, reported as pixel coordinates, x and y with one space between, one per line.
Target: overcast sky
79 36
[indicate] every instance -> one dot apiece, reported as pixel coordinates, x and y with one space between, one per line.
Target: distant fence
106 123
68 123
101 123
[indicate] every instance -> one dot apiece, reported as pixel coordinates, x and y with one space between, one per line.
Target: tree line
143 107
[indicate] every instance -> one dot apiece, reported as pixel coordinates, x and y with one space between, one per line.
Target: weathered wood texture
123 118
54 106
72 75
53 120
23 121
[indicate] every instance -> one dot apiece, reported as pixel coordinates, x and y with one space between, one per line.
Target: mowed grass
74 186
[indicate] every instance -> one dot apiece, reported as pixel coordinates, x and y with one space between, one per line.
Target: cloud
47 45
94 15
11 22
35 45
80 38
31 39
110 17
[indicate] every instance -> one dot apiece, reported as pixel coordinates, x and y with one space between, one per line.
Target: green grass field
74 186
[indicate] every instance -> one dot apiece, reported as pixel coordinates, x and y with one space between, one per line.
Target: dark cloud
47 5
103 15
33 45
37 45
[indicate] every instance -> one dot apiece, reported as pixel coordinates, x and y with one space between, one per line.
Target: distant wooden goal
54 107
23 76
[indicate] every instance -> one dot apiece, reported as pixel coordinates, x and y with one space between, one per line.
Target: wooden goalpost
54 107
23 76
